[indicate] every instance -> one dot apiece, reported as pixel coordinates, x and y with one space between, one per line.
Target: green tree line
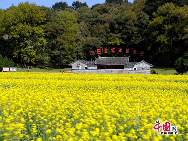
32 35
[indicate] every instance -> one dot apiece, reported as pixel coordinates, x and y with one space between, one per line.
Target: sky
7 3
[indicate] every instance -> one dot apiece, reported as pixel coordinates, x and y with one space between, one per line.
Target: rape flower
108 107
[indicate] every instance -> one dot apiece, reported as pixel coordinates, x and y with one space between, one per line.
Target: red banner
113 50
120 50
99 51
105 50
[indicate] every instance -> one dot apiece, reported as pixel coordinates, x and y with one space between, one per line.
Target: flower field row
107 107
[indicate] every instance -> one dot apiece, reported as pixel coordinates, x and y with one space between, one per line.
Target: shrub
153 72
6 62
180 66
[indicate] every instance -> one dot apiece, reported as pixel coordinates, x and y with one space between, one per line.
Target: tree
168 34
183 2
2 35
60 6
117 1
34 35
5 62
1 22
151 6
24 26
95 27
180 66
129 27
62 31
76 5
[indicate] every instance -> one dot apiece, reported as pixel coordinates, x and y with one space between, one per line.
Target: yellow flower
59 138
91 106
39 139
48 132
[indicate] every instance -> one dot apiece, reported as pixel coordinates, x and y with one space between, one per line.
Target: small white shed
142 66
7 69
78 65
83 65
13 69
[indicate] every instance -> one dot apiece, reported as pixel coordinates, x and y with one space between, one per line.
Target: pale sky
7 3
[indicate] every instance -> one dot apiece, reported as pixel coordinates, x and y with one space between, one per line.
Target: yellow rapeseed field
94 107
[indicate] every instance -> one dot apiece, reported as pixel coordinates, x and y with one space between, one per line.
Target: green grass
43 70
165 70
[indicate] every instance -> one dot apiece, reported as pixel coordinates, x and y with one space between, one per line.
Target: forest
32 35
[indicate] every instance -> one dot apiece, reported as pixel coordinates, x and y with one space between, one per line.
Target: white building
83 65
112 63
142 66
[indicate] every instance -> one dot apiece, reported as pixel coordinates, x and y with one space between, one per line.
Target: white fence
115 71
11 69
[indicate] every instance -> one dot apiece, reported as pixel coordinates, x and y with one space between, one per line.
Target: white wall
142 66
128 69
113 71
78 66
92 68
